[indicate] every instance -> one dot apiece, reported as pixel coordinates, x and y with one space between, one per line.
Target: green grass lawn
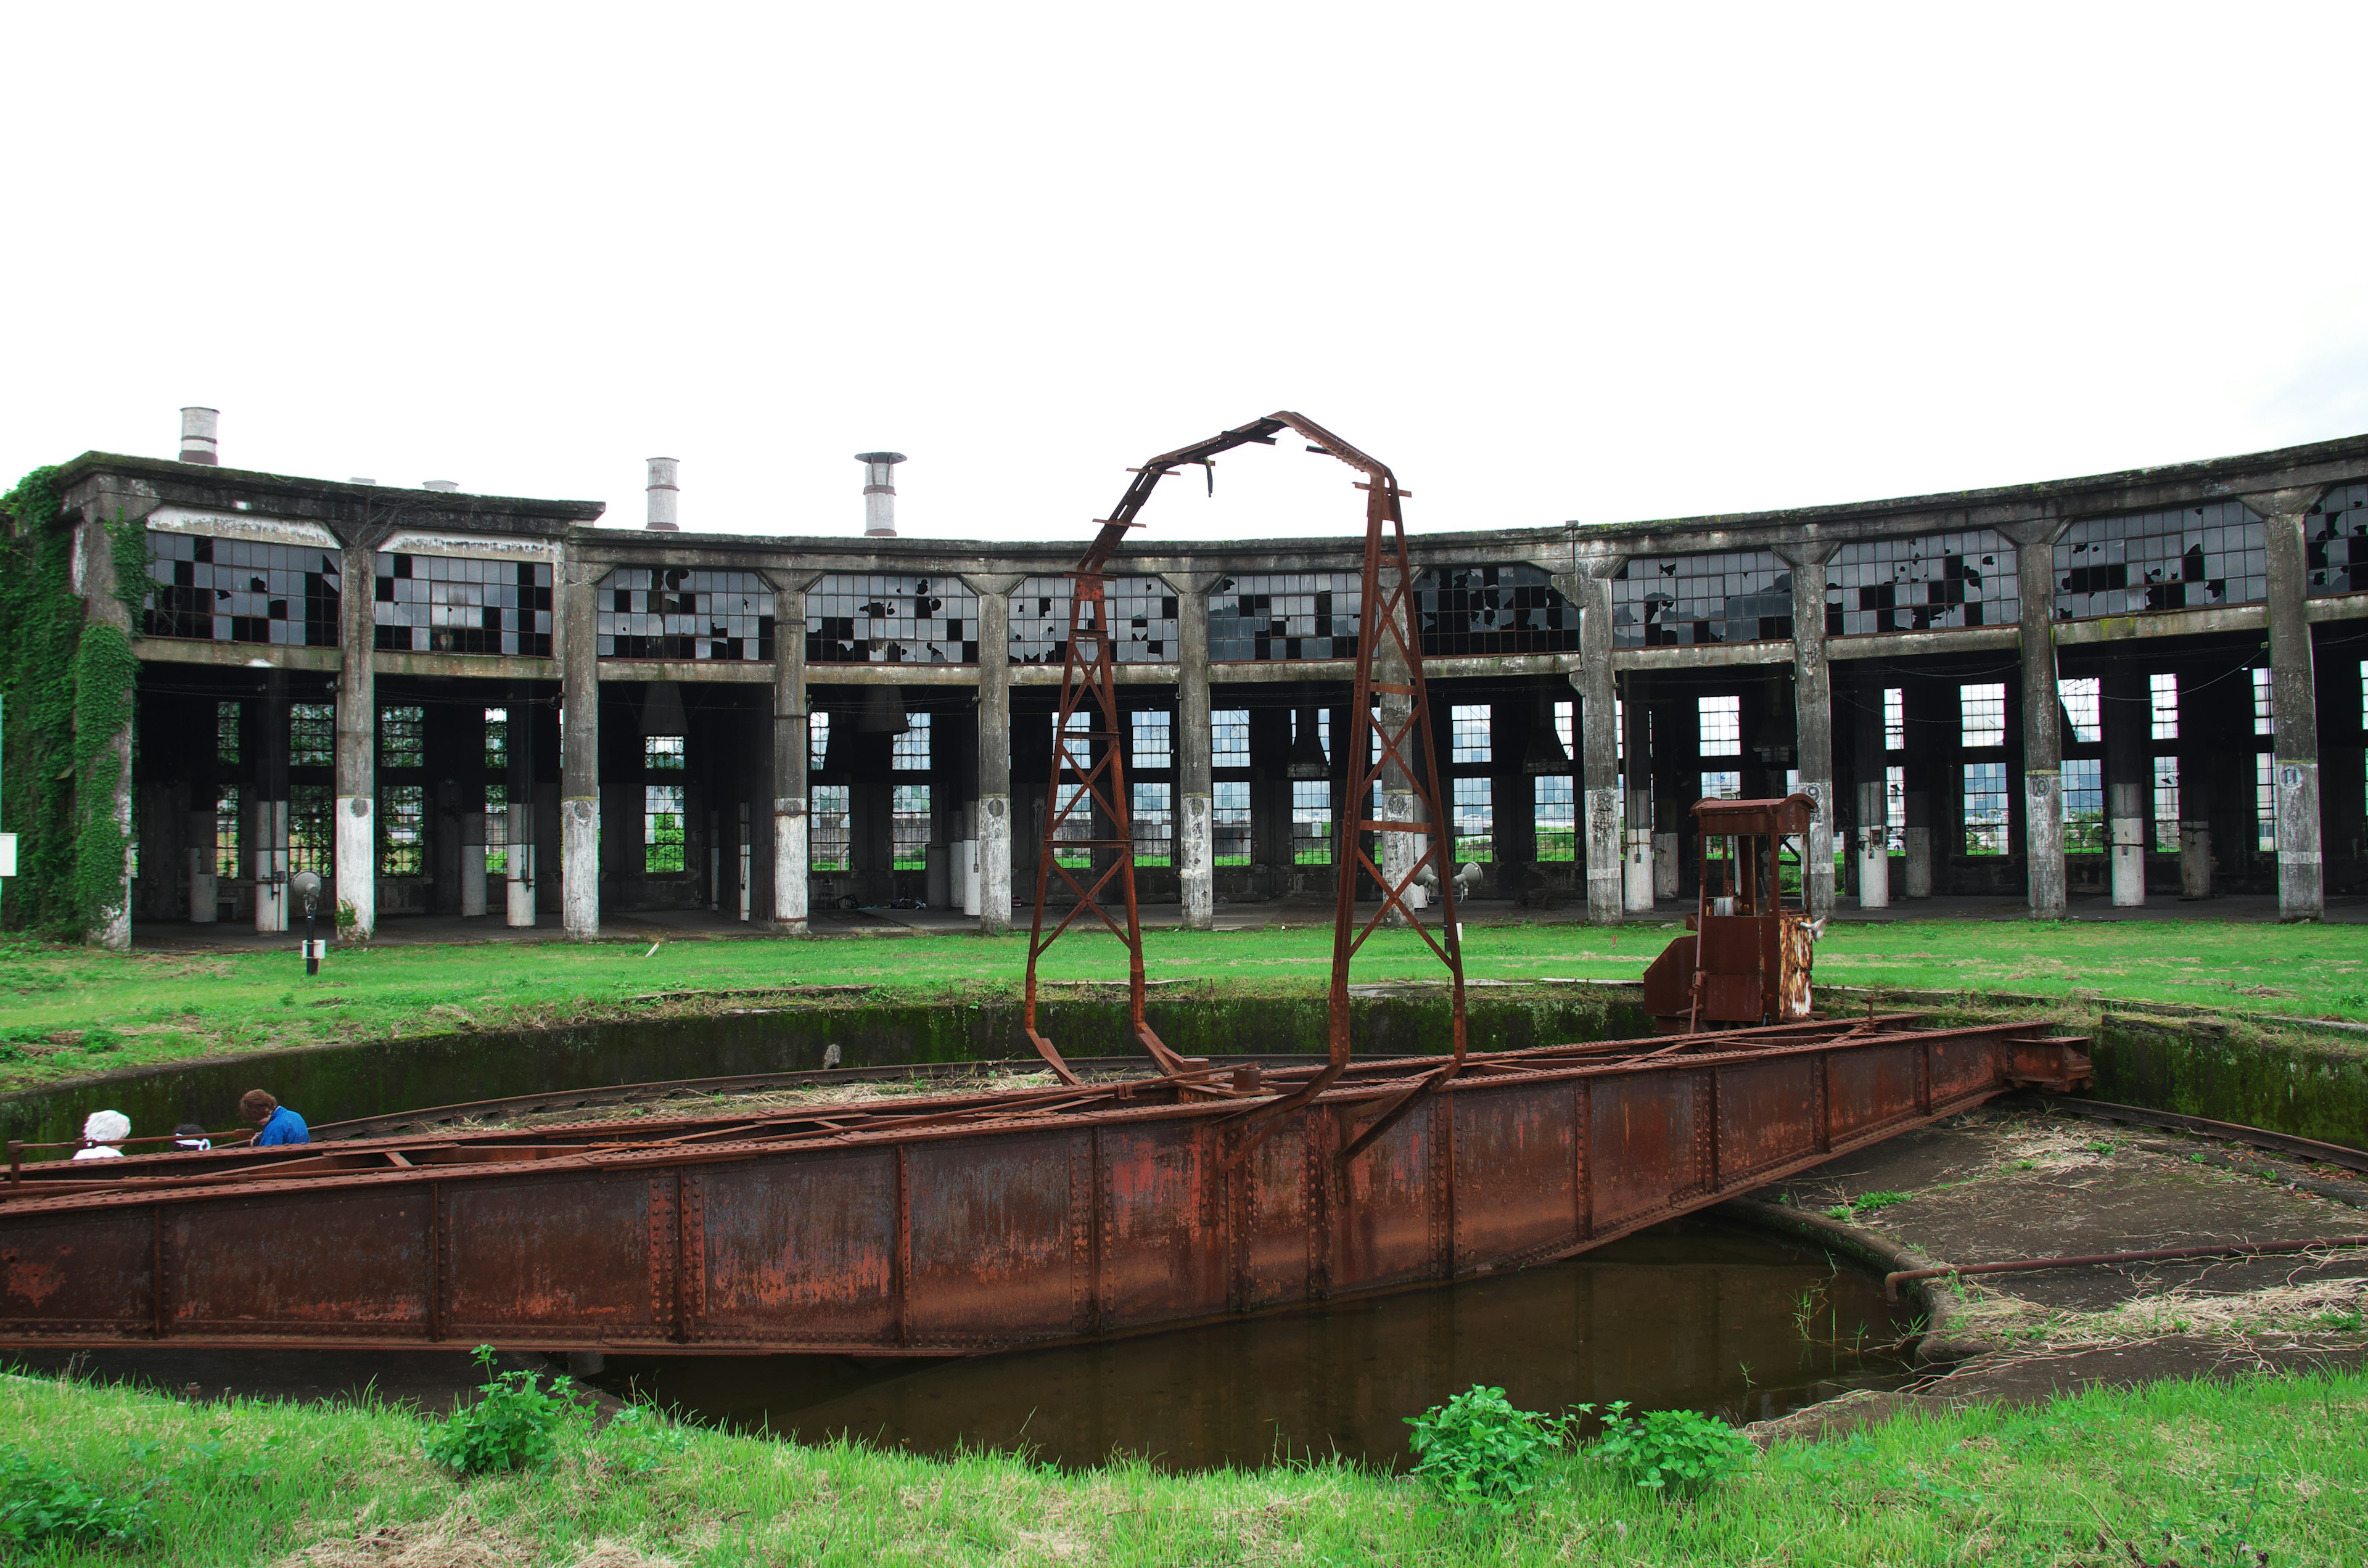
2178 1471
66 1012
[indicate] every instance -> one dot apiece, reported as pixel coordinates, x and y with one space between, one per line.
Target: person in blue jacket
279 1124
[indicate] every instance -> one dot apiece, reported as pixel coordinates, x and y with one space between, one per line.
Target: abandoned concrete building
2121 687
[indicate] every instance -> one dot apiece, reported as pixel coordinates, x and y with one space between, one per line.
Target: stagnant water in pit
1693 1313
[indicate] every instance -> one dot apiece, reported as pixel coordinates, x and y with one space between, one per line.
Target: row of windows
242 591
233 590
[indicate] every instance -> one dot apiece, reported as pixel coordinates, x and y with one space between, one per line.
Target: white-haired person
101 1131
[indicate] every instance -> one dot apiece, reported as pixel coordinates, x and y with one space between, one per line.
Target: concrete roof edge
169 472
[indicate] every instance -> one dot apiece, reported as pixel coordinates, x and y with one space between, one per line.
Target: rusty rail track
951 1224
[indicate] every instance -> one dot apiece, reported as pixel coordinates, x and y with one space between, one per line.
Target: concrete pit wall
328 1084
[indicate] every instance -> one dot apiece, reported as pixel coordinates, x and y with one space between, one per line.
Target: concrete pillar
1400 850
2127 718
1918 837
2043 724
472 863
356 719
2293 700
268 844
1872 847
1813 721
579 750
994 815
793 822
1599 739
1639 880
1196 845
94 582
518 836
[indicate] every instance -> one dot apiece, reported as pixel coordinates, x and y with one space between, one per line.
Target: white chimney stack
198 443
879 493
664 496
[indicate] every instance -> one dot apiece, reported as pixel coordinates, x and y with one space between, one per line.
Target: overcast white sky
1548 261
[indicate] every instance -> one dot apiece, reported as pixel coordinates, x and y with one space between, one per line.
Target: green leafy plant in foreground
1481 1452
515 1425
638 1441
42 1503
1681 1450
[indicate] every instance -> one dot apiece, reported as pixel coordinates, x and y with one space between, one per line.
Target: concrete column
519 883
579 750
793 822
1196 845
1918 835
2293 700
1872 833
267 846
2042 724
2127 720
1402 849
1813 722
1639 878
357 717
995 750
1599 739
93 581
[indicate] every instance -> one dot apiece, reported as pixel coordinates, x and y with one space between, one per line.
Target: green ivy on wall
68 682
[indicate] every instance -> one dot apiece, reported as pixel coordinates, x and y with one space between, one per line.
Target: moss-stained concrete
2287 1080
334 1082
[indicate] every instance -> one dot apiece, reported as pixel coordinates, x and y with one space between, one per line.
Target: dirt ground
2014 1182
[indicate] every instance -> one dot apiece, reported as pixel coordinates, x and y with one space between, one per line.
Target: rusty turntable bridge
959 1224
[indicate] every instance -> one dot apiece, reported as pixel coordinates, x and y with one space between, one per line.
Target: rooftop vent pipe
879 493
664 496
198 443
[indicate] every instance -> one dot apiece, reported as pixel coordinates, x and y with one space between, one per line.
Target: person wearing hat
275 1122
101 1131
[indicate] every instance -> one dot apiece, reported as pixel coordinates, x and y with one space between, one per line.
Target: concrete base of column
1636 874
1604 870
1401 851
2302 877
1196 866
2128 836
1918 869
357 837
994 864
791 889
1667 866
579 867
271 906
2042 795
518 907
473 878
1817 860
1874 873
2194 861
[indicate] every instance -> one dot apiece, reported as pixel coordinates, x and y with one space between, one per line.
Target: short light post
306 885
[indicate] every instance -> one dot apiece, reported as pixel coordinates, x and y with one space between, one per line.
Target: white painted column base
1874 872
792 891
2128 836
357 835
579 867
1606 874
1196 853
1638 879
994 864
519 906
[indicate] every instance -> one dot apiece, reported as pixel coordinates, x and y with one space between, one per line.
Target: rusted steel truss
967 1222
1088 775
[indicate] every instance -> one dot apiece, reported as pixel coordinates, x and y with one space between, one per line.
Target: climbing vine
68 682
